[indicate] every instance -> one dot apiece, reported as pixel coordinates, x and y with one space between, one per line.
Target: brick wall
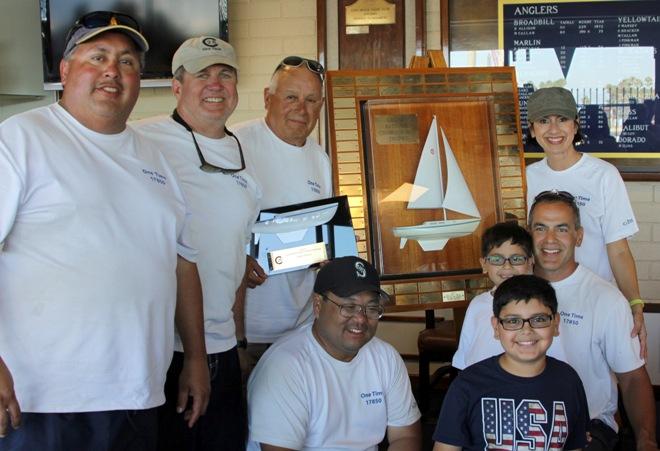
262 32
645 198
11 105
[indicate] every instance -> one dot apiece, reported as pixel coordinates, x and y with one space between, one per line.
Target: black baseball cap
346 276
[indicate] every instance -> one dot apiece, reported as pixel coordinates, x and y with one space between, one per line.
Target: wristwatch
242 343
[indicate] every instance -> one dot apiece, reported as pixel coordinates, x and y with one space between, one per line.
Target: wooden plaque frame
358 51
393 158
347 93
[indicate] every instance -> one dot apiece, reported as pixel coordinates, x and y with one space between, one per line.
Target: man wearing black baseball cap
332 384
95 262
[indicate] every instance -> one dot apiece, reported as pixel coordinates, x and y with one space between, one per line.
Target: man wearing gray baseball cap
223 197
97 262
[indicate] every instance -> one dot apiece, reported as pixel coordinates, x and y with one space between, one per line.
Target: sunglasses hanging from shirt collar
205 166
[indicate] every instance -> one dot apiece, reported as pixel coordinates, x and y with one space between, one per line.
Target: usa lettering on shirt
523 427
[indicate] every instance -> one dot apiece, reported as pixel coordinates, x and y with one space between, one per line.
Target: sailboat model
428 193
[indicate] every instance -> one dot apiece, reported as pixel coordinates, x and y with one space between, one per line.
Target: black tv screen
165 24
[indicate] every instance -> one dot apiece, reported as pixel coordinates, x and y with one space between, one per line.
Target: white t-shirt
477 341
595 325
288 175
90 224
605 210
302 398
224 207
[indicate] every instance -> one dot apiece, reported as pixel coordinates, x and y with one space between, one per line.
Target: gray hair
275 78
178 74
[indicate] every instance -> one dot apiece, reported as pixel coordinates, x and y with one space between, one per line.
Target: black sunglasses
554 194
98 19
205 166
297 61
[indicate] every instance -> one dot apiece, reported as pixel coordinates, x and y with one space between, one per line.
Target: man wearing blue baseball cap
96 259
332 384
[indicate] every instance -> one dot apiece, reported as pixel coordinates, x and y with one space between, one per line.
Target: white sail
427 189
457 197
434 235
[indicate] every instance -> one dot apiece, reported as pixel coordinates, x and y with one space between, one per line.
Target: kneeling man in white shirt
333 385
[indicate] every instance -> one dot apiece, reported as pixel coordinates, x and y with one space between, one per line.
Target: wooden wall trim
652 307
420 27
321 32
444 29
402 319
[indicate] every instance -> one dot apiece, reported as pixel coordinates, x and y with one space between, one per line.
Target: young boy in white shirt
506 251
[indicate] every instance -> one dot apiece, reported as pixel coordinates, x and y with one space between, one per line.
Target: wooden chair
437 343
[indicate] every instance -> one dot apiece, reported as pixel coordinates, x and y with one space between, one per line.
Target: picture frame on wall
432 181
604 52
379 123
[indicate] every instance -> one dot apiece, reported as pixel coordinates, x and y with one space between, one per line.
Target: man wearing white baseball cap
224 200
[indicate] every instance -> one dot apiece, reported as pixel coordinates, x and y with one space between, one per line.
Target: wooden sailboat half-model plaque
428 192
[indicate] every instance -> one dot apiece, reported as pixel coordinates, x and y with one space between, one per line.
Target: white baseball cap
201 52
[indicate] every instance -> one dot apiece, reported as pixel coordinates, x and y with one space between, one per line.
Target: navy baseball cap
346 276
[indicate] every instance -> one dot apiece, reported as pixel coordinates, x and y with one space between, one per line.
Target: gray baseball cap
548 101
97 22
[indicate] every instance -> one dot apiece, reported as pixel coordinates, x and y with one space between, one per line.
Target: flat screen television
165 24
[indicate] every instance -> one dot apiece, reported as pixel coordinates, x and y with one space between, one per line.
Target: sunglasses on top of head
297 61
554 194
98 19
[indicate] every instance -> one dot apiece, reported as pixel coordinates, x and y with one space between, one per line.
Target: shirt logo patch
571 318
240 180
360 270
581 200
373 397
314 186
155 177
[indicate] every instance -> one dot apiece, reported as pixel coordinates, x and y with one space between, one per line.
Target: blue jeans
116 430
224 425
